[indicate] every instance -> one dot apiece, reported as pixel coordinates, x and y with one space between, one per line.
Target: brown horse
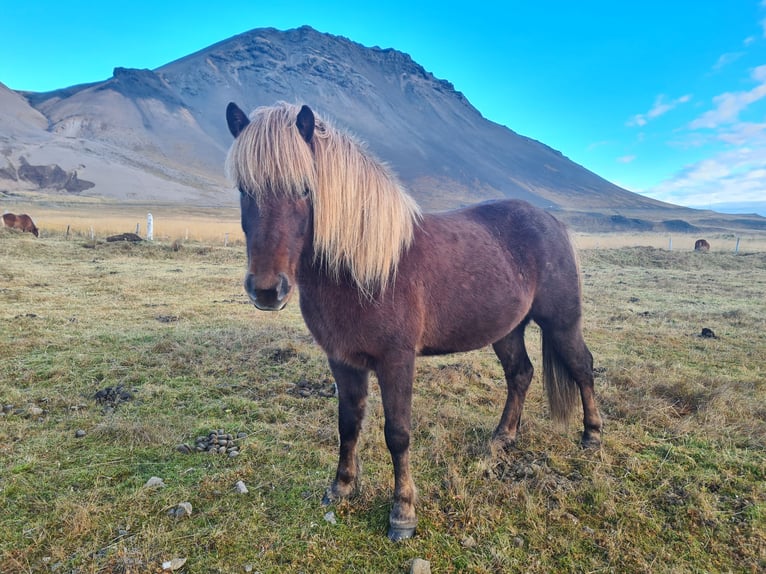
380 283
701 245
22 222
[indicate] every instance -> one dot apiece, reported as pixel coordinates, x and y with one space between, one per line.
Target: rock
184 448
34 411
174 564
79 433
420 566
518 542
330 517
181 510
240 487
707 333
233 453
154 482
468 542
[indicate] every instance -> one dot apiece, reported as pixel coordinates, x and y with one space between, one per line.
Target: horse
22 222
381 283
701 245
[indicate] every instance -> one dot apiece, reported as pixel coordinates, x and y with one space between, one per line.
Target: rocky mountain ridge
160 135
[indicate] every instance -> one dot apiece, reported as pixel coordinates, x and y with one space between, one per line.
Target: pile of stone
216 442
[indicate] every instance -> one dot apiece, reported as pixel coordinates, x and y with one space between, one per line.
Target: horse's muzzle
272 298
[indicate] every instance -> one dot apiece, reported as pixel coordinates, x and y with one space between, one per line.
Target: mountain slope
160 135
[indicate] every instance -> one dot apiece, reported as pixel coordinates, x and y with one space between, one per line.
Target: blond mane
363 218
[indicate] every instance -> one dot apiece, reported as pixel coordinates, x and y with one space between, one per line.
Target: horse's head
277 227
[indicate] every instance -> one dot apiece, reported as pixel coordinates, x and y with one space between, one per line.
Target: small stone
241 435
518 542
468 542
240 487
181 510
420 566
233 454
330 517
7 408
35 411
221 449
79 433
155 482
174 564
184 448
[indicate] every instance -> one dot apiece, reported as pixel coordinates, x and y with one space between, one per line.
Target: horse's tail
561 388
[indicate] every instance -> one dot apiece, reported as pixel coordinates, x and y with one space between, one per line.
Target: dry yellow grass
679 485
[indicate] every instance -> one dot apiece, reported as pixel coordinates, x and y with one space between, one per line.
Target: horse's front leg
352 386
395 375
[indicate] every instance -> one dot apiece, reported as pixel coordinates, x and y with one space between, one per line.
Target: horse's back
532 247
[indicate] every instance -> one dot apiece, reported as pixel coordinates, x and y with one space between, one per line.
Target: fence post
670 243
149 227
226 240
736 247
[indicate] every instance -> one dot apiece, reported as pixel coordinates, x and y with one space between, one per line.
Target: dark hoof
397 534
328 499
590 441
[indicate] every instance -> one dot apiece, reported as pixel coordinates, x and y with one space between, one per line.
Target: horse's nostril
283 288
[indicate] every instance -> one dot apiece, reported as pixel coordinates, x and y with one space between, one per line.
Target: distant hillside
160 135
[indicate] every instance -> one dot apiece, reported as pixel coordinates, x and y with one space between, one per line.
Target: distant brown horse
701 245
22 222
380 283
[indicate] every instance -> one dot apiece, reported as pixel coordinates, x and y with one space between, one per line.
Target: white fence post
149 227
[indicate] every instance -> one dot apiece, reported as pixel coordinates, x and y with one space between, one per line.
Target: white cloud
744 133
660 107
729 104
732 176
626 159
728 58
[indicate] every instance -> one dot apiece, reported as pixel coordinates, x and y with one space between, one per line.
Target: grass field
678 486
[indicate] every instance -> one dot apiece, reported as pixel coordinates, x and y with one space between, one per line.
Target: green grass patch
679 484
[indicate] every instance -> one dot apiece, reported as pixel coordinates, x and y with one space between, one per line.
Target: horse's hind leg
518 375
568 347
352 386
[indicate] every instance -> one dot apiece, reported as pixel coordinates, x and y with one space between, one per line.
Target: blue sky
665 98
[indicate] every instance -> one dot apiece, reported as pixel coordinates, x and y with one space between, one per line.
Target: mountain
160 135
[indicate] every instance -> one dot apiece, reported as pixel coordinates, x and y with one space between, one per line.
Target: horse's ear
236 118
305 123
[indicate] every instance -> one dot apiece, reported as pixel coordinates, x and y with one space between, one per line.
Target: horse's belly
469 327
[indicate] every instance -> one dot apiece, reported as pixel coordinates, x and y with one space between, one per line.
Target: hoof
395 534
590 441
501 444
